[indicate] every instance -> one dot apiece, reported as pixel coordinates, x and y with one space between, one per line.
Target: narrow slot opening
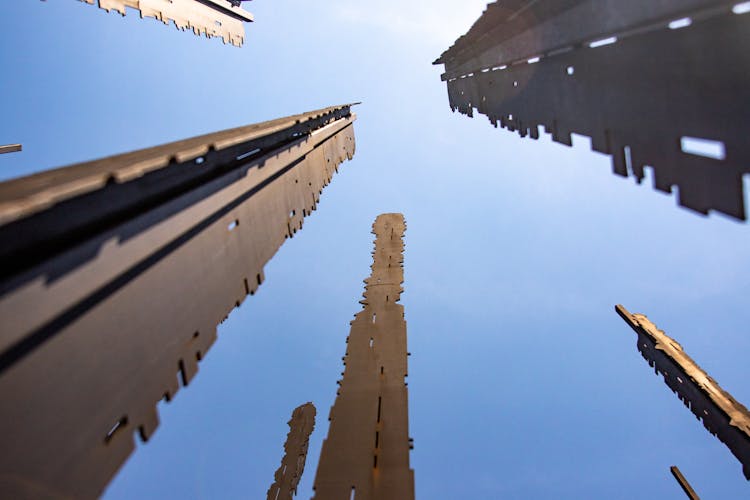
703 147
115 428
249 153
603 42
680 23
379 404
377 439
351 496
247 286
374 315
375 462
371 342
628 160
183 373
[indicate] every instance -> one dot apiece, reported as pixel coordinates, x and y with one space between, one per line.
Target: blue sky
524 383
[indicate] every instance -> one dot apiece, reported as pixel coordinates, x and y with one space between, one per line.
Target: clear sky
524 383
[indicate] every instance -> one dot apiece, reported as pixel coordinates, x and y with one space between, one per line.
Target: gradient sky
524 383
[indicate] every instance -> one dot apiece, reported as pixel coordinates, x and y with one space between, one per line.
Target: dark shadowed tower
366 453
653 84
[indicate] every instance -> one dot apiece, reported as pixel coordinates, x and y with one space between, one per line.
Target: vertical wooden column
366 453
292 466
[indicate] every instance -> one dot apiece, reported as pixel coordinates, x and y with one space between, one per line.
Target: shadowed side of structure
653 84
721 414
292 466
366 453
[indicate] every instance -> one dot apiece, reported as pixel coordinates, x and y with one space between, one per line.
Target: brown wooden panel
93 335
366 453
721 414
